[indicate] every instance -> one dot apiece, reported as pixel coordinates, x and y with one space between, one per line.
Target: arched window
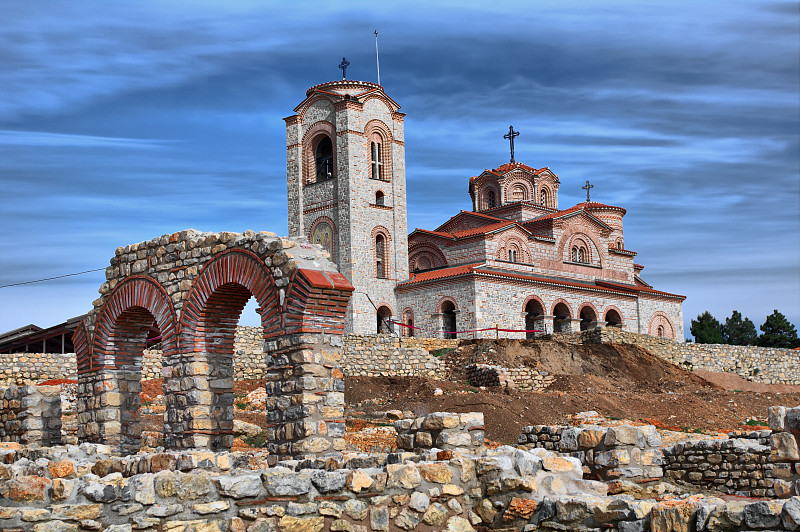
449 320
491 200
579 254
408 319
660 331
379 198
376 159
619 244
380 257
323 158
383 316
512 255
518 193
545 197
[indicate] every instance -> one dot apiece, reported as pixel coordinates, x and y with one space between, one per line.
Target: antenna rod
377 59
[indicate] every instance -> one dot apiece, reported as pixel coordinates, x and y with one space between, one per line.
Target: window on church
375 159
579 254
512 255
545 197
379 198
323 157
380 257
660 331
491 201
518 194
619 244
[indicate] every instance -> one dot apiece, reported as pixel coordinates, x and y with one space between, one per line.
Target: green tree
778 332
706 329
738 331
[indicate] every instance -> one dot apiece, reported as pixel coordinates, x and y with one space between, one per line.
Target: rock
329 508
458 524
32 515
784 447
356 509
379 519
726 517
164 510
403 475
211 507
556 463
302 524
242 428
28 488
358 480
240 486
419 502
280 482
790 515
406 519
436 472
435 515
328 481
55 526
61 468
143 488
192 485
673 516
77 512
761 515
394 414
777 418
591 437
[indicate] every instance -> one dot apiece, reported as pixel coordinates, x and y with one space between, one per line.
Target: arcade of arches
192 287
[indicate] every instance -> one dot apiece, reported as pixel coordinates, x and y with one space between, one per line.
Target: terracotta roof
622 251
474 214
441 234
482 229
340 82
593 205
507 167
478 269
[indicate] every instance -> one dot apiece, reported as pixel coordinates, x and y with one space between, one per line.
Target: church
515 266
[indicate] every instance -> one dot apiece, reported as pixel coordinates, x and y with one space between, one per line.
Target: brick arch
83 347
509 187
502 249
444 300
614 308
231 267
536 299
433 252
387 251
309 142
661 319
560 301
407 318
371 129
111 336
566 243
483 196
581 308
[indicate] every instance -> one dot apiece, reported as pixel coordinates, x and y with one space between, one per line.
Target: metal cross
586 188
343 65
510 136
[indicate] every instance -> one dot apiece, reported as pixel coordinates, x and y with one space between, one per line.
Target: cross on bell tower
586 187
510 136
343 65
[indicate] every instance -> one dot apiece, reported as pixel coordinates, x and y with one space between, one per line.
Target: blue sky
124 121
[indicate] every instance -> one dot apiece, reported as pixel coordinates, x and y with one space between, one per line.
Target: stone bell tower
345 171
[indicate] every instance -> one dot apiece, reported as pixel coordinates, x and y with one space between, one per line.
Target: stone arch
489 196
381 257
520 248
534 312
588 315
377 131
208 323
613 317
545 196
660 319
110 376
83 347
562 316
311 139
383 318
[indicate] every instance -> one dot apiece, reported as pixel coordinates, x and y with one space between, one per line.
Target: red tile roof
441 273
482 230
507 167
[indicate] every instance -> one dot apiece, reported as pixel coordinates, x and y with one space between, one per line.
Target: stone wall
524 378
392 356
759 364
442 430
607 453
31 368
88 488
31 415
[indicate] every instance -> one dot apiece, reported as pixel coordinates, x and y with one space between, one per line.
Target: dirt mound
615 366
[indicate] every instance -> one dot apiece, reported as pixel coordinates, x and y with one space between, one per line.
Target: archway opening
588 317
561 318
383 316
323 158
533 318
408 321
613 319
127 341
211 410
449 320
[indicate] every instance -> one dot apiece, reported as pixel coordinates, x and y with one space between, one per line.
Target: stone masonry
31 415
193 287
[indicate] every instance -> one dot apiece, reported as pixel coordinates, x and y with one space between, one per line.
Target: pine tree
778 332
739 332
706 329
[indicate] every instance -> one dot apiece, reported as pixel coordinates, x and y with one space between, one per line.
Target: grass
257 440
443 351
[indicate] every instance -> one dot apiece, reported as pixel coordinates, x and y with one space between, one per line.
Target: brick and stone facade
192 287
515 261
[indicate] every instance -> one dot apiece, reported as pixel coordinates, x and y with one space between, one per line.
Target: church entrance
449 320
613 319
383 316
533 313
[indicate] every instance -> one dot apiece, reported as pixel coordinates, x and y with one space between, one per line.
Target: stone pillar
574 325
305 389
545 323
98 404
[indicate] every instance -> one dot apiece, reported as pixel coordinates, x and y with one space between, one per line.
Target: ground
618 382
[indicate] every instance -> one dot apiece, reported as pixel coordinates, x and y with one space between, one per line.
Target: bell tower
345 171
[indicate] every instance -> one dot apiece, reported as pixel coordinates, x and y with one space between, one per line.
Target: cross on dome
510 136
586 187
343 65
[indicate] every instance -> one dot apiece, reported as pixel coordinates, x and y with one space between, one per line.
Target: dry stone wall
31 415
31 368
760 364
524 378
441 430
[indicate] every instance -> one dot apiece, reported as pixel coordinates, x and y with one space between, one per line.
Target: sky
123 121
